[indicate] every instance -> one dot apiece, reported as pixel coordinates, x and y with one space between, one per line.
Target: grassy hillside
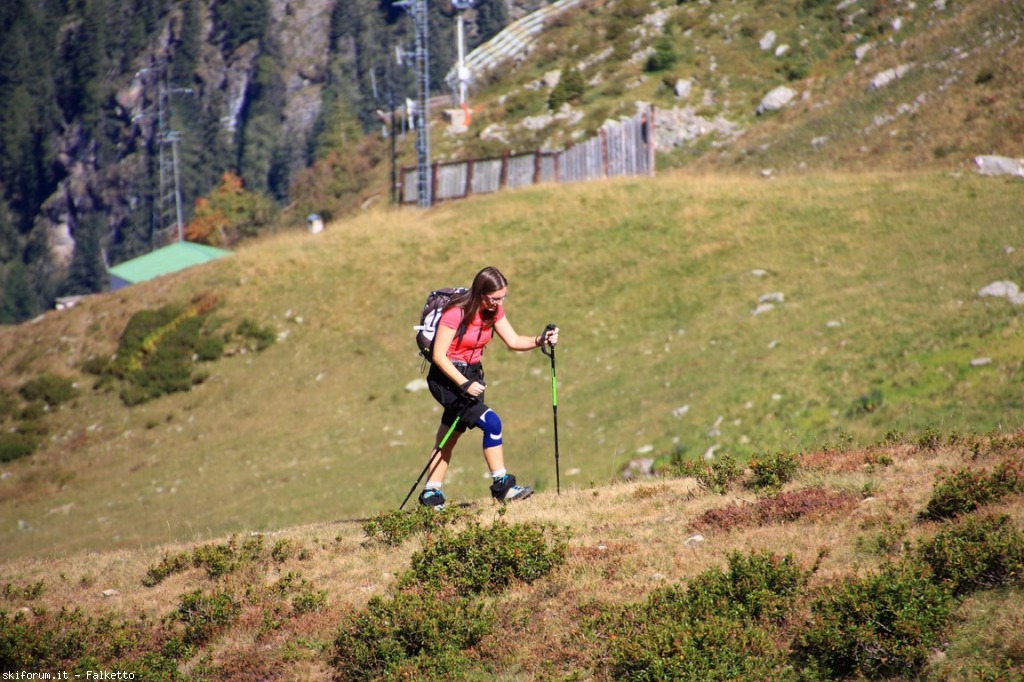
655 284
608 583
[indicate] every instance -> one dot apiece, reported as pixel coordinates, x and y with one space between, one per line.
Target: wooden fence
621 148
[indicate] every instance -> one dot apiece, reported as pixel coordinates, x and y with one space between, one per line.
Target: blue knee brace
490 424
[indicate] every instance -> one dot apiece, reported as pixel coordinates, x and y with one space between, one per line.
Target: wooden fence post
604 153
503 178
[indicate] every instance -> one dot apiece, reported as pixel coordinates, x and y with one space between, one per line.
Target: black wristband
466 385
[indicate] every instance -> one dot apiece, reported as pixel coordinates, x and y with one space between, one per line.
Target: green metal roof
173 258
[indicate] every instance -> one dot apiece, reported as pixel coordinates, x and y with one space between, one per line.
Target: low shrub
206 615
10 405
410 636
1008 477
218 560
395 527
29 592
755 586
68 639
976 554
48 388
883 625
487 559
773 470
157 349
889 541
784 507
719 627
697 650
715 477
252 336
171 564
957 493
305 597
964 490
16 445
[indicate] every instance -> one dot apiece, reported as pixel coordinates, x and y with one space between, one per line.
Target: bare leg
495 457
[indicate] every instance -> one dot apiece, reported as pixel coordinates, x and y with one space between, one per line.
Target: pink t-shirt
470 347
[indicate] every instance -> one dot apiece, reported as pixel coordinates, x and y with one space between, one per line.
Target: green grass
652 285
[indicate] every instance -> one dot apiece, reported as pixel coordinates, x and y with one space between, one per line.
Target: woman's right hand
475 389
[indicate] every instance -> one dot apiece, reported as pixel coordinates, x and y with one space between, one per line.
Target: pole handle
549 349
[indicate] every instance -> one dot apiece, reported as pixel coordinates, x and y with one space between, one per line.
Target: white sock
432 485
499 473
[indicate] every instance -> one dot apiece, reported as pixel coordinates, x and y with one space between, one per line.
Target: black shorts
453 400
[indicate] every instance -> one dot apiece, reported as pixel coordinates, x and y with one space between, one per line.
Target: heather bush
252 336
70 640
691 649
395 527
16 445
217 559
720 627
715 477
755 586
773 470
487 559
784 507
206 615
976 554
48 388
958 493
411 635
882 625
964 490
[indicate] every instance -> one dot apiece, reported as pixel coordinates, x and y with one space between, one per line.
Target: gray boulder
999 165
777 99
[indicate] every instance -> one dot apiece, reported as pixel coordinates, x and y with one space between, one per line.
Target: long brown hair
486 282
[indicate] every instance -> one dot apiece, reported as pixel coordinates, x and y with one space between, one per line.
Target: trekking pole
550 352
469 402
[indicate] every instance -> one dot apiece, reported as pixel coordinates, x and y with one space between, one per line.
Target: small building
316 223
177 256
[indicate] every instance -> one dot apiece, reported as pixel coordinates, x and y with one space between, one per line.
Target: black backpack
430 316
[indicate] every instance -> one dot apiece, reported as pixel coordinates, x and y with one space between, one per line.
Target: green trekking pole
433 454
550 352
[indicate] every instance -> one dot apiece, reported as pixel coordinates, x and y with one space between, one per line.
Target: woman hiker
456 380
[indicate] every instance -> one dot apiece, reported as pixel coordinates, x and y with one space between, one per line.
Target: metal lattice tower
167 214
418 10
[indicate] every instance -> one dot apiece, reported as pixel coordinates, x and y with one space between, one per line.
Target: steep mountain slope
867 84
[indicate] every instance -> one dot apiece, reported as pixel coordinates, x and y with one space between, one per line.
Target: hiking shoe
433 497
504 489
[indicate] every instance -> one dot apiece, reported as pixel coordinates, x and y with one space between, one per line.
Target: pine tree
88 271
242 21
491 18
10 241
186 57
82 63
18 302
